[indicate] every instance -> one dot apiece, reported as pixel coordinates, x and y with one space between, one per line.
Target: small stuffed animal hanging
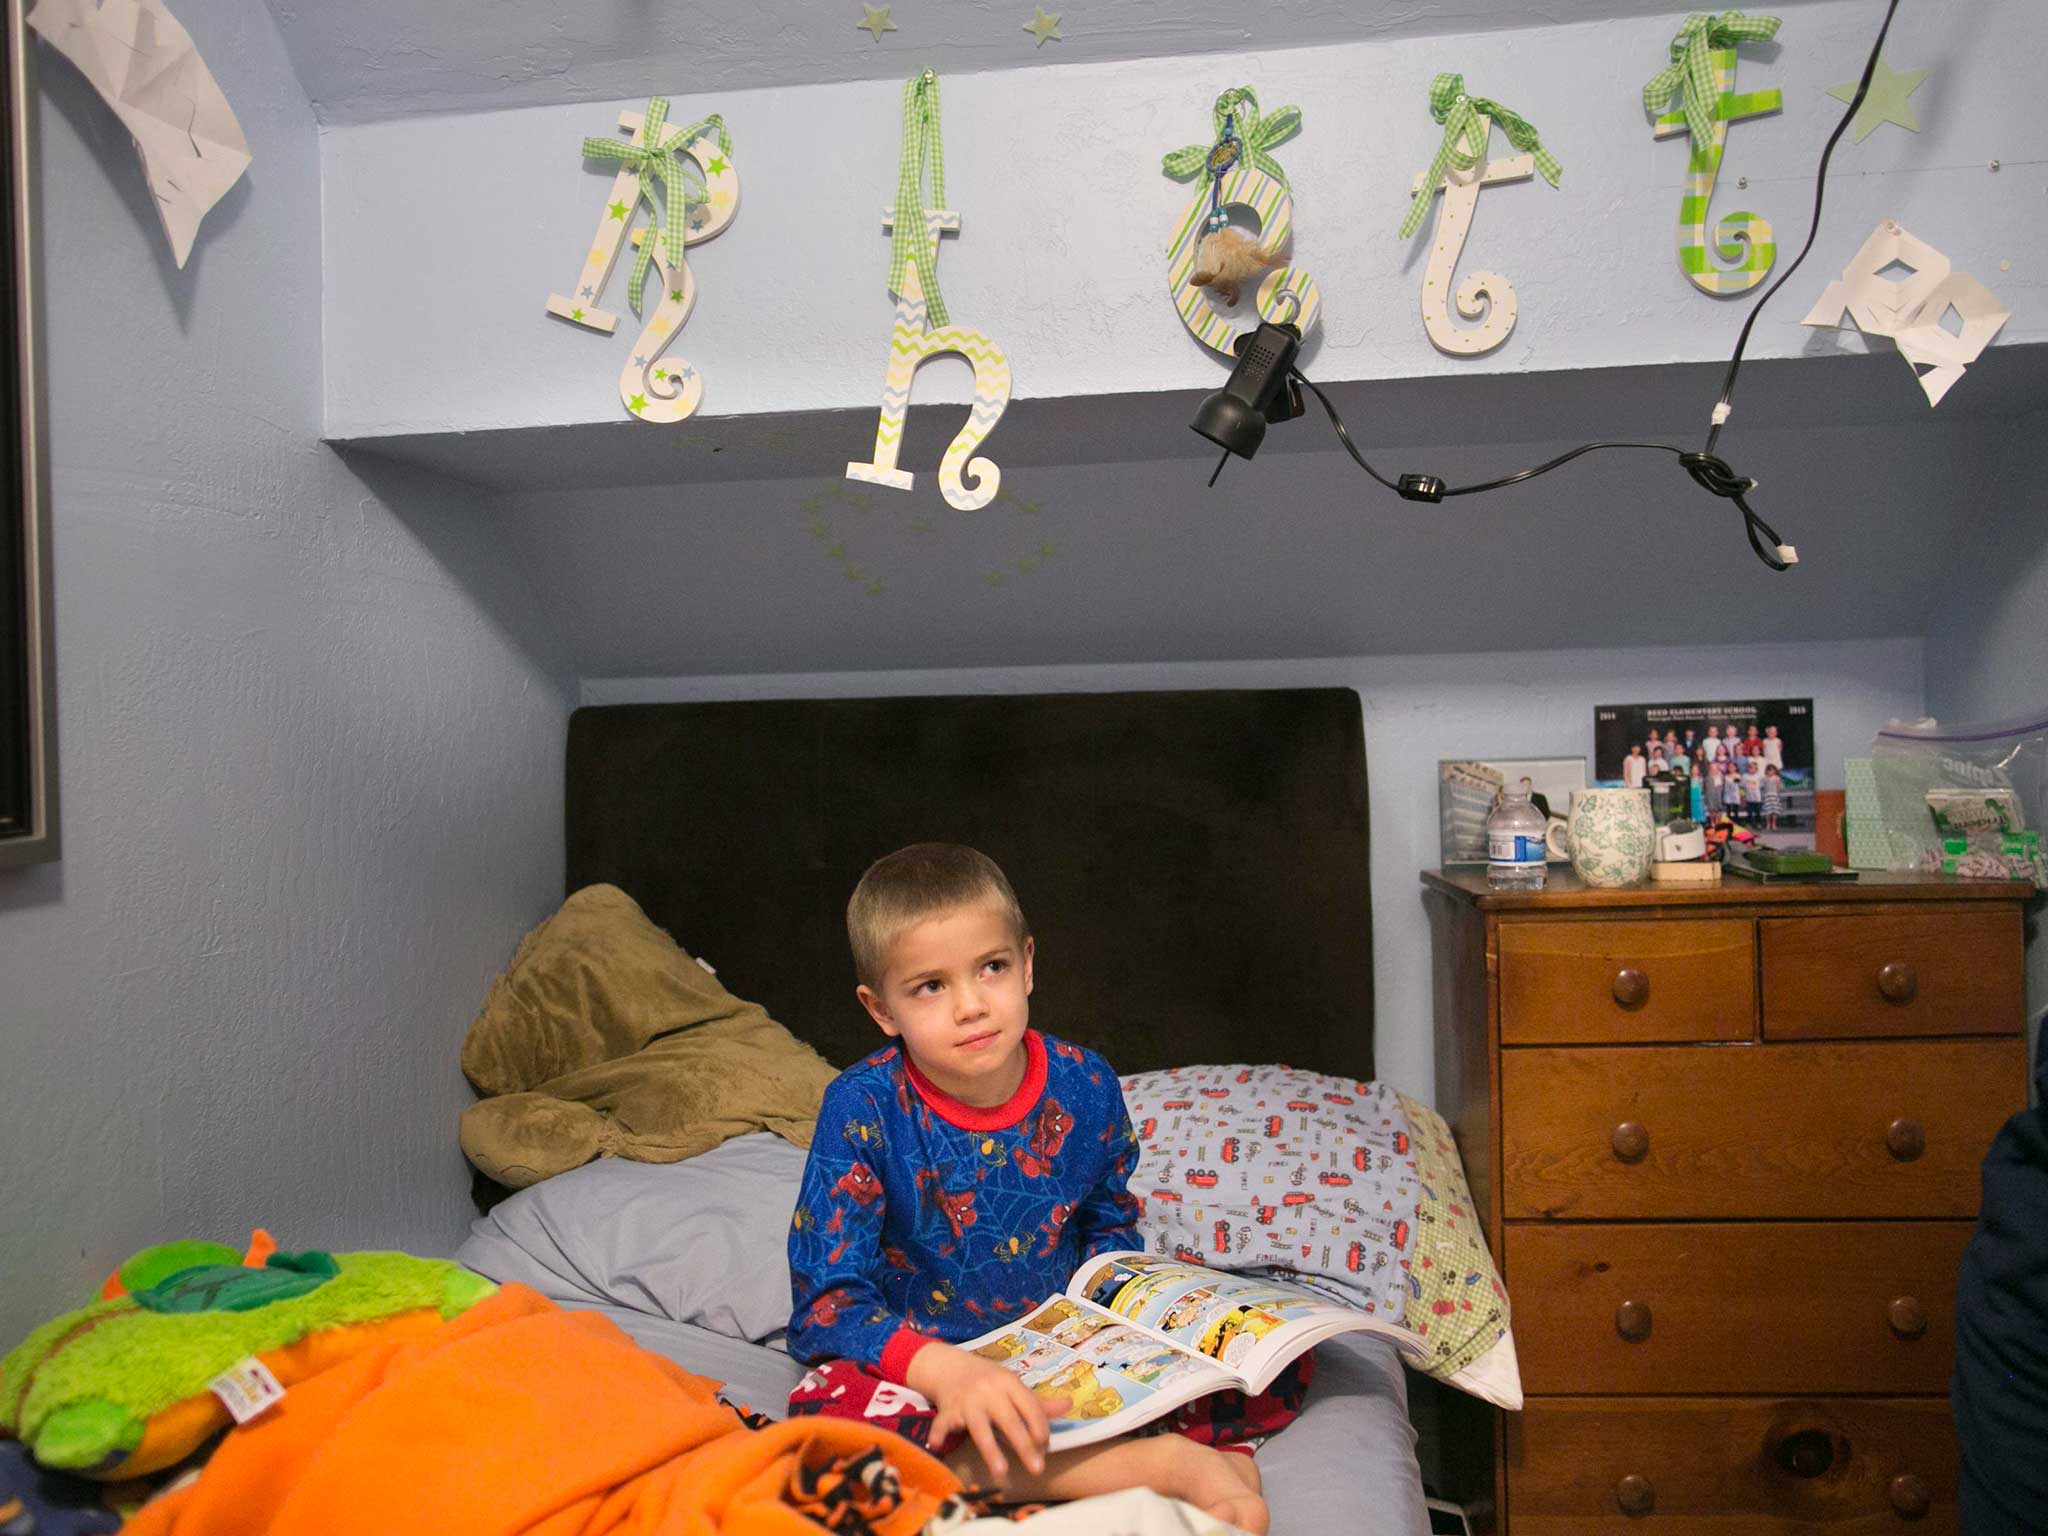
1225 258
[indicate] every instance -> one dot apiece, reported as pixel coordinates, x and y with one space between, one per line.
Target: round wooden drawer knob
1632 1321
1631 1141
1636 1497
1897 983
1908 1318
1905 1140
1631 987
1910 1495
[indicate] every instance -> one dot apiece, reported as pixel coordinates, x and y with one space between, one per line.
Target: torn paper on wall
145 65
1910 308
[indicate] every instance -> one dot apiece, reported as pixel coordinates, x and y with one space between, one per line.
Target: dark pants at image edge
2001 1380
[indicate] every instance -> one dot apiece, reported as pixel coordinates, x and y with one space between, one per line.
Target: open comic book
1135 1335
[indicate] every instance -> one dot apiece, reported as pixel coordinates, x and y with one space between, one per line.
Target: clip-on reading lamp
1261 389
1265 387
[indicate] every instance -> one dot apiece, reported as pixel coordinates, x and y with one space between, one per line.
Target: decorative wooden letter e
1701 79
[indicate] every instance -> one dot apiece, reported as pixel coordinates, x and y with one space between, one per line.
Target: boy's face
954 993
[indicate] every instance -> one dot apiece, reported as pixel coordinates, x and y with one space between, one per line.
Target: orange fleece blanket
520 1417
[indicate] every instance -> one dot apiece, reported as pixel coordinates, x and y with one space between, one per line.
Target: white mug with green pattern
1609 838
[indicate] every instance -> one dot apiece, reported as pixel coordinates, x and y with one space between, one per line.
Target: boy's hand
982 1398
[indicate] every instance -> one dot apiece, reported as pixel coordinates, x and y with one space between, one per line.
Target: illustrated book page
1136 1335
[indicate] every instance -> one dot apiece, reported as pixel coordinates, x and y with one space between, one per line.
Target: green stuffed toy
122 1387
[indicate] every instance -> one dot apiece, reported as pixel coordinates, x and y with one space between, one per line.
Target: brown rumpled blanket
605 1039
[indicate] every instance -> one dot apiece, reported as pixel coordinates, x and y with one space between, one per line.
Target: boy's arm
1107 1217
835 1247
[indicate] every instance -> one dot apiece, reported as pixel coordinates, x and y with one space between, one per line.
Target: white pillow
704 1241
1350 1189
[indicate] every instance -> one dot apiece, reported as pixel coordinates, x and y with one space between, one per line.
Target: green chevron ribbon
1690 74
1237 115
654 164
1460 114
911 237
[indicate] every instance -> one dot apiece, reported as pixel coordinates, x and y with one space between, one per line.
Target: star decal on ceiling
876 21
1042 26
1886 102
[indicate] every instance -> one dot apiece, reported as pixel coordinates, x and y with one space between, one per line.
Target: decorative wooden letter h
915 231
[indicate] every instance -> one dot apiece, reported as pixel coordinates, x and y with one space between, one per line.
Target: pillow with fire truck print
1345 1188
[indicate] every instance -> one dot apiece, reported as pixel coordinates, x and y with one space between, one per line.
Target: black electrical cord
1711 474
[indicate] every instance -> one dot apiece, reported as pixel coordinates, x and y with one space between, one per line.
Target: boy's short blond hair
914 883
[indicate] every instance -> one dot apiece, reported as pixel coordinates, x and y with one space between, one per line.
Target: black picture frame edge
42 842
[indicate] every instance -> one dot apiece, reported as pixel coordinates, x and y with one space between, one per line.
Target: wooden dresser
1727 1141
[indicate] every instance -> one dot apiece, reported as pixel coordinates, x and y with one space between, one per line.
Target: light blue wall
1987 634
1419 709
310 748
445 235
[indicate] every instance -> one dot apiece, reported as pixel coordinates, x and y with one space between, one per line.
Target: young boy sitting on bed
957 1178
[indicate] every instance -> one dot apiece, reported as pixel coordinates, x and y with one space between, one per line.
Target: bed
1195 869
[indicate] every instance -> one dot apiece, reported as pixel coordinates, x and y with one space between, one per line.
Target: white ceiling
362 60
681 563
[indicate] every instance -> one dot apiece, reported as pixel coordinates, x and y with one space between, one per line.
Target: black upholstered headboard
1194 865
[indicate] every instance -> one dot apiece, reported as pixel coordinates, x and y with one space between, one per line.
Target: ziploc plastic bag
1990 803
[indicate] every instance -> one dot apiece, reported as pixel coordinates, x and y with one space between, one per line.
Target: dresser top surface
1565 891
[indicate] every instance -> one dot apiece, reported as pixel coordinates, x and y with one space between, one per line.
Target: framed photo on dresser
1748 763
28 706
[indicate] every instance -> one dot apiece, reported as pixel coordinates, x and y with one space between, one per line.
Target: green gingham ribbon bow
1691 70
1239 109
1460 115
911 238
656 164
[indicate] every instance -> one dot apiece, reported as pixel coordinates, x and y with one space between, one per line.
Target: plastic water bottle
1515 850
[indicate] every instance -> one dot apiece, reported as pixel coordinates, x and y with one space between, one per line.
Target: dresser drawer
1740 1466
1567 983
1851 1306
1928 973
1883 1129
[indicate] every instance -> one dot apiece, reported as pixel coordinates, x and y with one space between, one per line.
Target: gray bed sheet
1346 1467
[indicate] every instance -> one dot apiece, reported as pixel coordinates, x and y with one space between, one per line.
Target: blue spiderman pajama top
922 1218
